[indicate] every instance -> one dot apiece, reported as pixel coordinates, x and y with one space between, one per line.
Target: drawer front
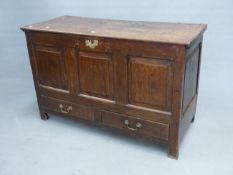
67 108
135 125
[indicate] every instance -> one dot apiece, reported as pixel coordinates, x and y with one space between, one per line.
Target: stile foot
175 157
193 119
44 115
173 153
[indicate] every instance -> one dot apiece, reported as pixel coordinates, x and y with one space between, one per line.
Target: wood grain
175 33
141 72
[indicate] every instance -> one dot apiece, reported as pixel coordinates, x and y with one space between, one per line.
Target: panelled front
92 72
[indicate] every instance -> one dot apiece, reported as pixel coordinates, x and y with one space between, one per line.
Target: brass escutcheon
91 43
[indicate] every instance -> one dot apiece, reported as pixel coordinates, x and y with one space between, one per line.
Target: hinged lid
175 33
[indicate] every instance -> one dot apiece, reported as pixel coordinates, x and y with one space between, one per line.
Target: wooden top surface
175 33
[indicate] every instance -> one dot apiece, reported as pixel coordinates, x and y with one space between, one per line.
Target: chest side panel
191 77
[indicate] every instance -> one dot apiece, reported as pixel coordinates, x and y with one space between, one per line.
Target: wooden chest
140 78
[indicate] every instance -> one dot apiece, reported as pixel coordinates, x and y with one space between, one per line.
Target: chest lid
174 33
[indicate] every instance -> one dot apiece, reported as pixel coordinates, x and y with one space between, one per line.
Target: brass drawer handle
138 125
91 43
65 111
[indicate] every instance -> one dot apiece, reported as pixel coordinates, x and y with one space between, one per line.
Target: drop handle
138 125
65 111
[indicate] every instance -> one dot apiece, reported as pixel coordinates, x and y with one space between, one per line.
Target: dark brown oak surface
139 78
176 33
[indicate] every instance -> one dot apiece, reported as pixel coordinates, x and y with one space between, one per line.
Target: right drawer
135 125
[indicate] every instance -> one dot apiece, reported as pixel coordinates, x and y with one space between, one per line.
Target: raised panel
95 74
150 83
51 68
191 78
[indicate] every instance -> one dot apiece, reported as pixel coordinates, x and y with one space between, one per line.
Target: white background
29 145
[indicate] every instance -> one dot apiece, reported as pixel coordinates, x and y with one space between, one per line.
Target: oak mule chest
140 78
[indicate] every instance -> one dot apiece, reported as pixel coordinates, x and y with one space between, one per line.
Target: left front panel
52 61
51 68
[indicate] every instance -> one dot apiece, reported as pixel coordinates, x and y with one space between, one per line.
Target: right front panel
150 83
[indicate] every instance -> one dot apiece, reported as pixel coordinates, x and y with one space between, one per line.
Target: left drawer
67 108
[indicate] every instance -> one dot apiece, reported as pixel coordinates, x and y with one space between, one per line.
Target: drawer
95 44
135 125
67 108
